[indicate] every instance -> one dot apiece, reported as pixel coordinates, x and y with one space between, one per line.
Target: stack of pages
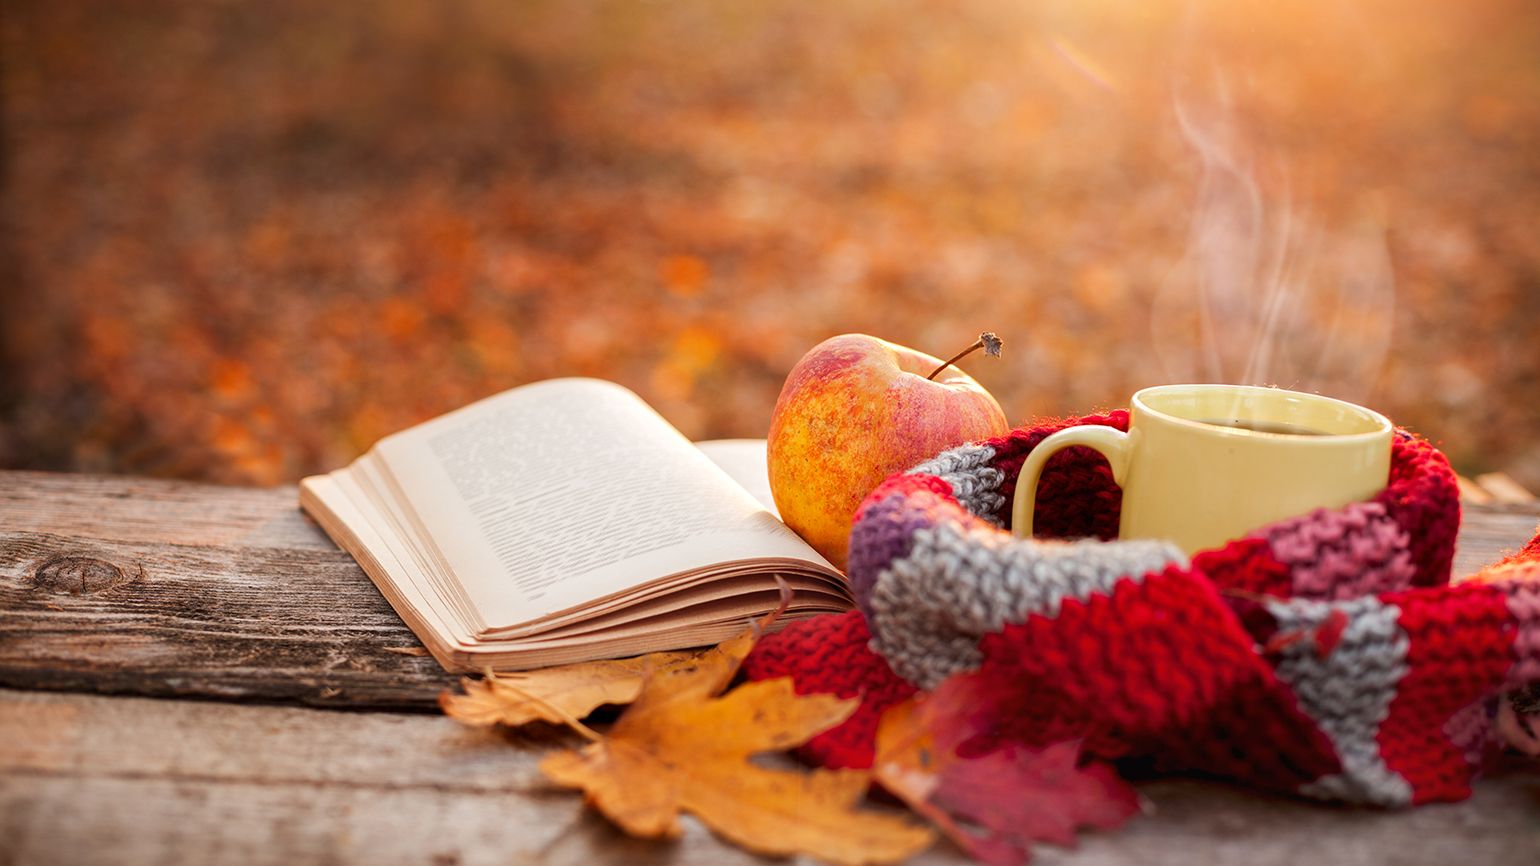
565 521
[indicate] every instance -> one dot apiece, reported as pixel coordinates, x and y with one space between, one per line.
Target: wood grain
136 586
1490 532
161 588
92 780
117 508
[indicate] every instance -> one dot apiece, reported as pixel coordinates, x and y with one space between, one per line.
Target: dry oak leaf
546 695
683 746
569 692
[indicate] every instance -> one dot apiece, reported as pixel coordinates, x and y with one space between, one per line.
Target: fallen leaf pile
686 741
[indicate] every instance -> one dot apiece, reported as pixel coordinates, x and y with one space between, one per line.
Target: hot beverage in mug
1203 464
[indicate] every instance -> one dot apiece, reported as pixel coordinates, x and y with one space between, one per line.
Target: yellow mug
1203 464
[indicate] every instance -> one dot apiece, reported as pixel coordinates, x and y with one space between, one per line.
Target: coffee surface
1260 426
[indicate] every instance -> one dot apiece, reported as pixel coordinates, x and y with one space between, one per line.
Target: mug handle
1114 444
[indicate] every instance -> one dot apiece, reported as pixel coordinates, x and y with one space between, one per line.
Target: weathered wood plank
126 585
92 780
136 586
1488 533
239 623
119 508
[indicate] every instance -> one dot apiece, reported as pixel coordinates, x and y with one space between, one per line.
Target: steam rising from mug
1265 295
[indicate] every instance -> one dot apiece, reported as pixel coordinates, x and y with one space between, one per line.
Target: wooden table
192 674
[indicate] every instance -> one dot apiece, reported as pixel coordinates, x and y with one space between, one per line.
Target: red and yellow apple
855 410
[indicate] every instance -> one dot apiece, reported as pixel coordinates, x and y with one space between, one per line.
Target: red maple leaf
1003 802
955 757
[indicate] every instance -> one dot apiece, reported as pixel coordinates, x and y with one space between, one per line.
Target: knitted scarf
1326 655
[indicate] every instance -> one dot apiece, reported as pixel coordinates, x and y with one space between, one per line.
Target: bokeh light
244 240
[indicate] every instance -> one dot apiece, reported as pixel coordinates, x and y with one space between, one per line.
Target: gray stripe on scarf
929 609
1349 692
975 483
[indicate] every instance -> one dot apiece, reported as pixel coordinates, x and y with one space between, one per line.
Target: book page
745 461
553 495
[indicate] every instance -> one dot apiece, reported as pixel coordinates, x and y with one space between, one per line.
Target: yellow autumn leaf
567 693
544 695
683 746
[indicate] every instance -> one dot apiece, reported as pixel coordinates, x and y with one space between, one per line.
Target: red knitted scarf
1387 699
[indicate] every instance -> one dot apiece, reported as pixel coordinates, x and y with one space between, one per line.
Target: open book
565 521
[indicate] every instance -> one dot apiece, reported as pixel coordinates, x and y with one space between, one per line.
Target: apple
857 409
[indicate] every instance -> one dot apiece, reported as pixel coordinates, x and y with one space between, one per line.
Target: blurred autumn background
244 240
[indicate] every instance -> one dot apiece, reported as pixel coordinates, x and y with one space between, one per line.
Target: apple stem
986 341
